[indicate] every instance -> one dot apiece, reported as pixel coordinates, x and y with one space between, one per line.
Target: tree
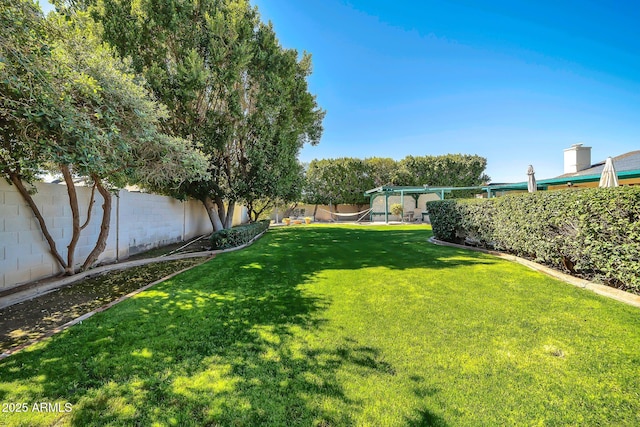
282 116
354 180
337 181
69 105
230 87
345 180
451 170
381 170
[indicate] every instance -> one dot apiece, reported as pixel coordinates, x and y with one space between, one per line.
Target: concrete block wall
139 221
26 256
148 221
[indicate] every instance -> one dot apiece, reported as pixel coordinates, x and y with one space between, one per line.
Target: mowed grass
328 326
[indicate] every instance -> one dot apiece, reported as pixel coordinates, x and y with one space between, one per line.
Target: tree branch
15 179
101 243
90 209
75 218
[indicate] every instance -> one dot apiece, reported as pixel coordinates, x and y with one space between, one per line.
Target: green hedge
237 236
591 232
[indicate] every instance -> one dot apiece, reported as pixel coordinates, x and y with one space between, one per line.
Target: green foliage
345 180
450 170
237 236
381 171
27 96
231 89
446 219
592 232
396 209
68 100
70 105
337 181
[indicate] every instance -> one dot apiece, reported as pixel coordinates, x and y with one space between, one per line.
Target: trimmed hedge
237 236
592 232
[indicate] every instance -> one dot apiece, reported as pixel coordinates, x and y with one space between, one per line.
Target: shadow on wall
139 221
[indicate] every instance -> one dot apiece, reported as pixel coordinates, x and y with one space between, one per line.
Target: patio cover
389 190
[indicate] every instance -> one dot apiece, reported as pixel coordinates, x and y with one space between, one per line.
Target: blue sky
515 83
511 82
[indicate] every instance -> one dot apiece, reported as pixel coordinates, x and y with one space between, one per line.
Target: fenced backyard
341 325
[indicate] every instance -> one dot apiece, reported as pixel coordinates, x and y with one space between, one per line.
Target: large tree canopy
69 105
344 180
337 181
381 170
451 170
230 88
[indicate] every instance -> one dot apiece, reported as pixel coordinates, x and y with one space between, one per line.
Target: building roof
544 184
625 162
627 166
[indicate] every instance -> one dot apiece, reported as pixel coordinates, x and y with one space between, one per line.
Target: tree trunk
222 212
75 218
229 222
252 212
210 207
101 243
89 208
315 210
15 179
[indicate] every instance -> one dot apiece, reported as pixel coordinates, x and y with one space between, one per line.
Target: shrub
594 232
446 220
396 209
237 236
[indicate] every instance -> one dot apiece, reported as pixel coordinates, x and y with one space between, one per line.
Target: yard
339 325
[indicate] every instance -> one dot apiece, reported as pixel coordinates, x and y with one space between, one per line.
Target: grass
32 319
321 325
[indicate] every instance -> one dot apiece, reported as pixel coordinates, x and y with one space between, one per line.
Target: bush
593 232
445 220
237 236
396 209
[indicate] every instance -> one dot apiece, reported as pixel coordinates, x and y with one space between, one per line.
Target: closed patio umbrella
609 178
531 184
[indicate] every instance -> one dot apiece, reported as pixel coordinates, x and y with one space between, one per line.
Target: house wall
409 205
322 213
139 221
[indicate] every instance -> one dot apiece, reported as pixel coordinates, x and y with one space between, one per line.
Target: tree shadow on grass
424 417
228 343
316 249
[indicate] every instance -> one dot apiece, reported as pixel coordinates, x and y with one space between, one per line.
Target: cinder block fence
139 221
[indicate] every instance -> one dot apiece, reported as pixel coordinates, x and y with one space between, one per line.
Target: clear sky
515 82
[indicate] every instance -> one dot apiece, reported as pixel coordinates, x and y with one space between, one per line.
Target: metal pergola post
386 207
371 197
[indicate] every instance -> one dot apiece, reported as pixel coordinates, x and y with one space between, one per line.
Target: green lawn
320 325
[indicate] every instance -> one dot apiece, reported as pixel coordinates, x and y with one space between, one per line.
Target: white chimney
577 158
